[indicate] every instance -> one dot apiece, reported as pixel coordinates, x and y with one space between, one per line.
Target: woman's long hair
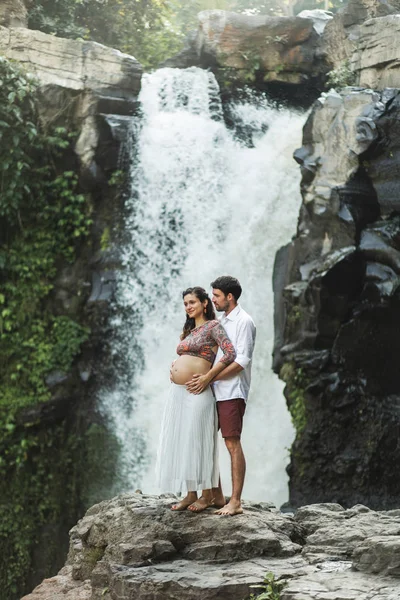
209 314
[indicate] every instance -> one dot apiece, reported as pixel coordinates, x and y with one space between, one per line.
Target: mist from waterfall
206 200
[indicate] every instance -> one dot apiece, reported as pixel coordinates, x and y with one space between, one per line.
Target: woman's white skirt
187 458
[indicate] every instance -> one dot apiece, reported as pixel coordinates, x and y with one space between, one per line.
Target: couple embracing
210 382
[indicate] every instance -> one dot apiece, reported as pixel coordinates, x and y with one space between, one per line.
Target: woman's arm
200 382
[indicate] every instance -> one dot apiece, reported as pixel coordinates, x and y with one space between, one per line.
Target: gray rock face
336 284
363 38
78 80
134 548
72 64
13 13
377 56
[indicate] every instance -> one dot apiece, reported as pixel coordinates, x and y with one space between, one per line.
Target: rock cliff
88 89
267 52
294 55
336 285
133 548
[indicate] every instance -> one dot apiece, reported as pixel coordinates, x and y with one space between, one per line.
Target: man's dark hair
228 285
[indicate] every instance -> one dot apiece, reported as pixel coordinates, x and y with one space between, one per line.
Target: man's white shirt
240 329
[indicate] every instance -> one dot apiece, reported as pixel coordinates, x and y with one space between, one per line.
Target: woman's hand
198 383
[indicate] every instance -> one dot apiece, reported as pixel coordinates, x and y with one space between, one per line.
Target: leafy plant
342 76
42 219
296 383
270 588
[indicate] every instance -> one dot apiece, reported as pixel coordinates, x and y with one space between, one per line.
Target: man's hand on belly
198 383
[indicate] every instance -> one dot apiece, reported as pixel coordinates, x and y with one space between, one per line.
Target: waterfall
206 200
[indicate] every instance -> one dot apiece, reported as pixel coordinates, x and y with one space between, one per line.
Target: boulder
379 554
134 548
273 49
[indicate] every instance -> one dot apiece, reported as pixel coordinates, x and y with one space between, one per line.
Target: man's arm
198 383
230 371
244 351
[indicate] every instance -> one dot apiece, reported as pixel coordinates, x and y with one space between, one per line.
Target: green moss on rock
296 383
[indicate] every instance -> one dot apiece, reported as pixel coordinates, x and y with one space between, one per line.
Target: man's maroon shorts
230 416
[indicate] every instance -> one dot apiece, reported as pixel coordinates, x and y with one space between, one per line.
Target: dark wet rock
103 286
337 305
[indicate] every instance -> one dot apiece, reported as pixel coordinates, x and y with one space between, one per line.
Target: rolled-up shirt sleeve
246 336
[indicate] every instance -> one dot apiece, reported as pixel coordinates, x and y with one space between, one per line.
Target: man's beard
221 308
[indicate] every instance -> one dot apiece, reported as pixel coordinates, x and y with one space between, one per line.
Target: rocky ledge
79 81
134 548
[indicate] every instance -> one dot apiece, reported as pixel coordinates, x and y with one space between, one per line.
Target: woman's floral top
201 341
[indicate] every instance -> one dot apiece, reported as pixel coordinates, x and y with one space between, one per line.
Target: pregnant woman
187 458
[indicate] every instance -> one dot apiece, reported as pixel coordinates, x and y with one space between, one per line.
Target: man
231 386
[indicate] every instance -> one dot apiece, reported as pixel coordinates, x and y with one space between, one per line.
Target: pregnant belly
186 366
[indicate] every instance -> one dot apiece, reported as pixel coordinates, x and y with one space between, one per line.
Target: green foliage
142 28
43 219
38 490
57 17
296 383
341 77
150 30
294 317
270 589
102 452
253 64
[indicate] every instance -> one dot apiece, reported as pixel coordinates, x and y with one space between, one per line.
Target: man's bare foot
201 504
229 510
183 504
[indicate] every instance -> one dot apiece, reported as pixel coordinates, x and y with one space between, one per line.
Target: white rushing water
203 204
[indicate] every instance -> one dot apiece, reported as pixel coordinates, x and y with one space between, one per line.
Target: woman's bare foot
219 500
233 507
185 502
201 504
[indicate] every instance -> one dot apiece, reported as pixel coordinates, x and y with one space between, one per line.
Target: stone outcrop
337 301
376 58
269 49
363 39
133 548
79 81
13 13
360 44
